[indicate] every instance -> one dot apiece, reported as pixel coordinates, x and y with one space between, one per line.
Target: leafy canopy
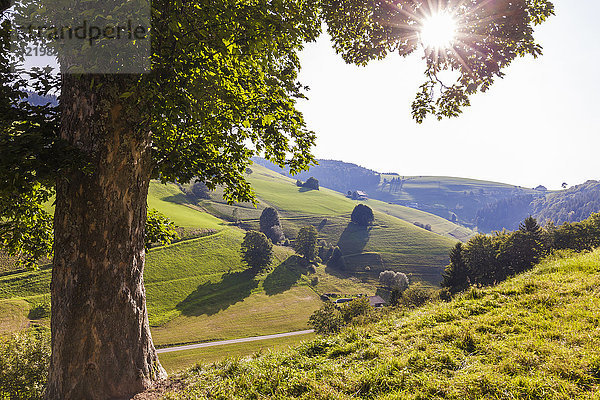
223 87
257 250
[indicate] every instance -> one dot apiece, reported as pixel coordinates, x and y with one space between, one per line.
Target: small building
376 301
360 195
357 195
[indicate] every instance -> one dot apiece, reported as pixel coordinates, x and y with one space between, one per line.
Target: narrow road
232 341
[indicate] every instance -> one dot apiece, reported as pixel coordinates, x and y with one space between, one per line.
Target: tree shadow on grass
305 189
178 198
354 239
210 298
284 276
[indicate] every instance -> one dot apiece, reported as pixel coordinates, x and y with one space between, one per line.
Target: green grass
170 200
439 225
197 291
534 336
13 315
178 361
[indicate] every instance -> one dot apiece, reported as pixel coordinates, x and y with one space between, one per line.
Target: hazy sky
539 125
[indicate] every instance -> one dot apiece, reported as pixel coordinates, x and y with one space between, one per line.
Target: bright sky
539 125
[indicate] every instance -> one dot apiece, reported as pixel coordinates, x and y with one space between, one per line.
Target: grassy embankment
535 336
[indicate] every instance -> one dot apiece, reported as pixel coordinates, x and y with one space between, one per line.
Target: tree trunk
101 343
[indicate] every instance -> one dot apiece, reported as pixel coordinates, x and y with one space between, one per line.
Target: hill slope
534 336
440 195
392 243
198 290
571 205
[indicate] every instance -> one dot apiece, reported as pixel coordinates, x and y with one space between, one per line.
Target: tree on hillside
523 248
270 225
198 190
336 260
306 243
311 183
256 250
455 275
159 229
223 74
362 215
394 280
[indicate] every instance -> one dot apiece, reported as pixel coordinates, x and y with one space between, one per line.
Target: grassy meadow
534 336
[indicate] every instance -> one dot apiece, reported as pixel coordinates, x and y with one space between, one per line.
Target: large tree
224 74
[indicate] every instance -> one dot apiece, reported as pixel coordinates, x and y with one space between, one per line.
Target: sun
438 31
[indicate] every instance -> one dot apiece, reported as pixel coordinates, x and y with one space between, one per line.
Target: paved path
232 341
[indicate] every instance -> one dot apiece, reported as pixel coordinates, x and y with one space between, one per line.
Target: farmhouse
376 301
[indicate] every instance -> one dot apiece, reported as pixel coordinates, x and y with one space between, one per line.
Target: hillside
534 336
392 242
454 199
571 205
198 290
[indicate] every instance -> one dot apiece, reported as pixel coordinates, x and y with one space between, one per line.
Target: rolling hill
571 205
451 198
198 290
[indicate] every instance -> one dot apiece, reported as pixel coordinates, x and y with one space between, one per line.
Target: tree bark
101 342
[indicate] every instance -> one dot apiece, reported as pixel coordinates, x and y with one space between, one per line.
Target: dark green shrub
336 260
306 243
270 225
311 183
257 250
362 215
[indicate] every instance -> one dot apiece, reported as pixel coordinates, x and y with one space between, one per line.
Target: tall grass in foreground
535 336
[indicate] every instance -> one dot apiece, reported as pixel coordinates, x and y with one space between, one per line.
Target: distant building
376 301
343 300
357 195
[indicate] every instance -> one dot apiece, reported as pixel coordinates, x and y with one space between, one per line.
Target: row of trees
488 259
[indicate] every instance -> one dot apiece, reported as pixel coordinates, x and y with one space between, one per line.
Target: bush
311 183
415 296
336 260
299 183
275 234
355 308
394 280
198 191
24 362
159 229
327 319
306 243
427 227
362 215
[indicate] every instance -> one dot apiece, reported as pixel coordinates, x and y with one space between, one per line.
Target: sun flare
438 31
